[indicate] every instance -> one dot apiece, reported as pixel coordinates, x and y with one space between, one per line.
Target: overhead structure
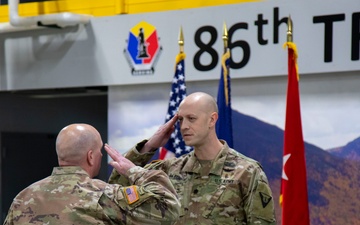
56 20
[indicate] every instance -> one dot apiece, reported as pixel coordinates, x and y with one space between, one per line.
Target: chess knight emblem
143 49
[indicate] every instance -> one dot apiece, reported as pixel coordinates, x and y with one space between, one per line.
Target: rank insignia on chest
131 194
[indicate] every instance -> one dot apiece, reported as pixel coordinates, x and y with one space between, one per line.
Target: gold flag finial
225 37
181 40
289 30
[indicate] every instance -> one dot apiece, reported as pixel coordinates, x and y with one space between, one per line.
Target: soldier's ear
90 157
213 118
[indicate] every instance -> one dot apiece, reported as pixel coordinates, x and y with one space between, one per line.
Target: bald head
202 101
74 141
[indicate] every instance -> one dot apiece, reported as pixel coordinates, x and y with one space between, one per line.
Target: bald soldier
215 184
71 195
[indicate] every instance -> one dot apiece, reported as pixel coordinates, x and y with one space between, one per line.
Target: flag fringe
291 45
179 57
225 57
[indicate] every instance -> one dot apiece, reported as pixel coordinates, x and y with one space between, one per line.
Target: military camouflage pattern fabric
70 196
232 190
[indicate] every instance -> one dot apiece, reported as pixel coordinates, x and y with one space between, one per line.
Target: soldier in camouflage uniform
71 196
215 184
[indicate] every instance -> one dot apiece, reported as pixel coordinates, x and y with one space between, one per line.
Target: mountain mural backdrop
333 177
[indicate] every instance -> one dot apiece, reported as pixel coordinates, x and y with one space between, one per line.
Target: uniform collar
68 170
193 165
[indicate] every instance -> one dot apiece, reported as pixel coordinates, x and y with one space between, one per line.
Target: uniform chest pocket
178 182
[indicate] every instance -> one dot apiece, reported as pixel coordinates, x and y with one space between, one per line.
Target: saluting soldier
71 195
215 184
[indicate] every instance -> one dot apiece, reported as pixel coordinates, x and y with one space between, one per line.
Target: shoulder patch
265 199
131 194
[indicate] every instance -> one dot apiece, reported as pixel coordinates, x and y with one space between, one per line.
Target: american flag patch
131 194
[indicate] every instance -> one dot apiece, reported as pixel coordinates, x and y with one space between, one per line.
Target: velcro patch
265 199
131 194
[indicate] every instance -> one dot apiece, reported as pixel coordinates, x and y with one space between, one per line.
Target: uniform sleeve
9 217
150 199
259 205
134 156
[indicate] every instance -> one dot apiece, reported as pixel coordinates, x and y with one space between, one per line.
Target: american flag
176 145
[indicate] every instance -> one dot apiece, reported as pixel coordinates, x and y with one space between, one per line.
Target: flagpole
181 40
225 38
289 33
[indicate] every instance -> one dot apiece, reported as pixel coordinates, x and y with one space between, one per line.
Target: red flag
293 197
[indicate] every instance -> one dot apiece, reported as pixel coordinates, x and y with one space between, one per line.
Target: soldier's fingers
111 151
116 165
172 121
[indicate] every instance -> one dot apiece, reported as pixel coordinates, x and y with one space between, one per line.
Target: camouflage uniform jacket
70 196
234 191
